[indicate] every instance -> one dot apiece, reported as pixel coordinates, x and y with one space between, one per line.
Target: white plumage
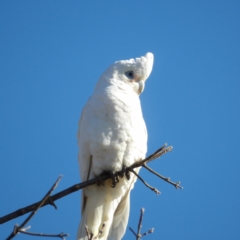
112 135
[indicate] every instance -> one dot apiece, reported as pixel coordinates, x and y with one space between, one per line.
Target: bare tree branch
139 235
16 227
145 183
167 179
51 199
140 221
133 232
90 235
60 235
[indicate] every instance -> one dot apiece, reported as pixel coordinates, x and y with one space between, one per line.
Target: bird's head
131 73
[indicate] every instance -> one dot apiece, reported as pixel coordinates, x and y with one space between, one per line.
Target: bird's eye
130 74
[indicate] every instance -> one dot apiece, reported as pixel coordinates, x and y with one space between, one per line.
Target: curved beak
141 84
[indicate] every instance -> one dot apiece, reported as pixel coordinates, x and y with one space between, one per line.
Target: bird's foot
125 172
114 178
100 182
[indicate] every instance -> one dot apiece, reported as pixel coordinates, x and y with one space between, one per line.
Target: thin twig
175 184
100 230
16 228
60 235
133 232
90 235
50 201
139 235
161 151
140 222
149 231
145 183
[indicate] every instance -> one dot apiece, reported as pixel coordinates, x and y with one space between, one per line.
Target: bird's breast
114 131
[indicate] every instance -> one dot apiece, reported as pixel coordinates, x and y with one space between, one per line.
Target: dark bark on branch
17 228
60 235
51 199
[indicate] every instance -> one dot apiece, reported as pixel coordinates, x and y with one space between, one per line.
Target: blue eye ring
129 74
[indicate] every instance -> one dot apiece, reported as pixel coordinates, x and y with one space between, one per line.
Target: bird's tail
108 206
120 219
99 205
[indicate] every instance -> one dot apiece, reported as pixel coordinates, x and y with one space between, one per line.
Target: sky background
51 55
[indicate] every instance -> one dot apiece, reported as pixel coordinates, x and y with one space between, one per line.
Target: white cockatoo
112 135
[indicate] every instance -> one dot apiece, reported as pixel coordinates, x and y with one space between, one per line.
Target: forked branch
138 235
20 228
167 179
51 199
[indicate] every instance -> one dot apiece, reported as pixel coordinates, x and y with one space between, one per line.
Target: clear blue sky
51 55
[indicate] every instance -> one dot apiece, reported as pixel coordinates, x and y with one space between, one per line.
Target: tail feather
121 214
120 219
111 206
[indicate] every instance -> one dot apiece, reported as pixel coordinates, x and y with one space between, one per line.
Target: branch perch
51 199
